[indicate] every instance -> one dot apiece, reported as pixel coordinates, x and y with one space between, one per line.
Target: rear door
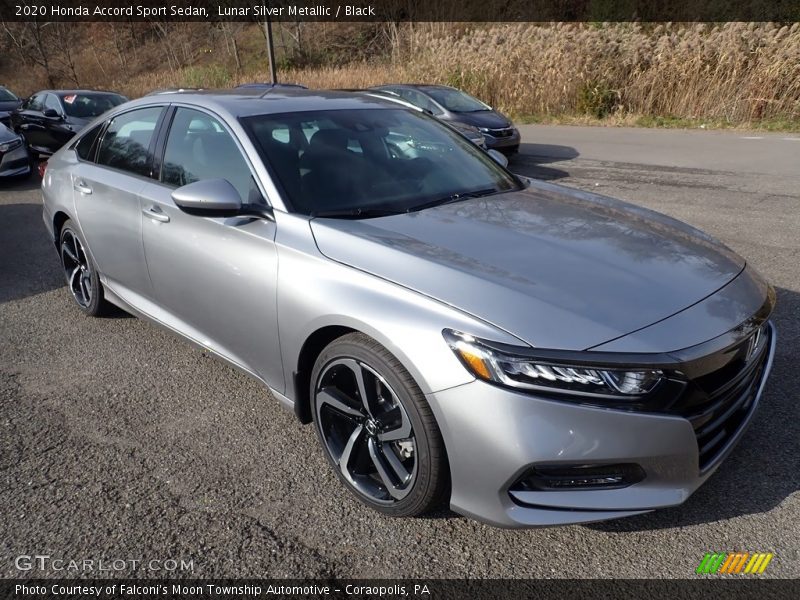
214 278
106 190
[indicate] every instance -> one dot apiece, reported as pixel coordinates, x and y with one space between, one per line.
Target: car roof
244 102
416 86
77 92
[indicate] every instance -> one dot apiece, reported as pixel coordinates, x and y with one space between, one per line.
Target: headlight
483 129
8 146
522 372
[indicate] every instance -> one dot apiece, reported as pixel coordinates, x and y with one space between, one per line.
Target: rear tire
83 280
377 429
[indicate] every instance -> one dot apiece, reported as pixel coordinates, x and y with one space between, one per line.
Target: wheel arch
311 349
58 223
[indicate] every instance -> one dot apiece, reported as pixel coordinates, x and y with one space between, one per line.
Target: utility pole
270 50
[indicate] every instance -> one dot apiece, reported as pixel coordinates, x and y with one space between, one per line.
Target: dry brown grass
733 73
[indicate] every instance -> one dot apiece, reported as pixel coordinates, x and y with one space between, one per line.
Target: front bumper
506 142
16 162
494 435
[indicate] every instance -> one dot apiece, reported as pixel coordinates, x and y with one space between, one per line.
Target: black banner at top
402 10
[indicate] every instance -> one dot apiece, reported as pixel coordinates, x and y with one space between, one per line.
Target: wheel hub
372 427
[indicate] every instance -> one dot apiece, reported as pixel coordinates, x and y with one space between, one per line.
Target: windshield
88 106
370 160
6 96
456 100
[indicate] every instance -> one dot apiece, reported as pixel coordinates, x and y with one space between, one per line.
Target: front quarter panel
316 292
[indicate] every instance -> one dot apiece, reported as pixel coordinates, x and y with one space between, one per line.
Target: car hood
9 106
6 135
483 118
555 267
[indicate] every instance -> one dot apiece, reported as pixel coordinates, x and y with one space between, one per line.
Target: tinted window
36 102
85 148
51 101
198 147
126 143
89 106
6 96
419 100
456 100
394 159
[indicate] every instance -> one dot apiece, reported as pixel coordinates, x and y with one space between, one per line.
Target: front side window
419 100
361 159
126 143
52 103
199 147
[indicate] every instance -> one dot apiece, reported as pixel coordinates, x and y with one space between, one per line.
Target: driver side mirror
498 157
216 198
51 113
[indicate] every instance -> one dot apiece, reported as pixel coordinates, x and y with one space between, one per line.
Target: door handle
81 187
156 214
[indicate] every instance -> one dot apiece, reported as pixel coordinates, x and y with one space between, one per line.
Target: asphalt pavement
120 442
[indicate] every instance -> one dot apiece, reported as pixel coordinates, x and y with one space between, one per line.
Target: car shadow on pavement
30 263
531 157
761 472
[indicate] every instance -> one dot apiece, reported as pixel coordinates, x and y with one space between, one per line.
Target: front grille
718 403
502 133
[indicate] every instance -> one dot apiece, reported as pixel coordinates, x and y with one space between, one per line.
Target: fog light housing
548 478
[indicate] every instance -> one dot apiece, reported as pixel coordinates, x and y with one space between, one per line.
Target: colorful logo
734 562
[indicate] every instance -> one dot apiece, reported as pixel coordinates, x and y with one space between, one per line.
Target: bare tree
31 41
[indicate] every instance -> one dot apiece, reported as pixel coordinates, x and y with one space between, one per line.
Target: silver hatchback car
534 355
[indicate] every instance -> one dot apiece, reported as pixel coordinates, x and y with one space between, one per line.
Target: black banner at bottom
412 589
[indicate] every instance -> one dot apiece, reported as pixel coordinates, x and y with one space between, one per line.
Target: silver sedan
530 354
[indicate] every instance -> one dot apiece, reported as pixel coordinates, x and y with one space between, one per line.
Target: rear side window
199 147
126 143
85 148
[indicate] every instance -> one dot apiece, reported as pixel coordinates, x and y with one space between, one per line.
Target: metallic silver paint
548 266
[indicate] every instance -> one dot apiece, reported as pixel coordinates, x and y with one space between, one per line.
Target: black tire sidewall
363 348
96 305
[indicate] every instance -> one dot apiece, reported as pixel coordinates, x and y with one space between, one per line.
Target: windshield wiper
354 213
454 198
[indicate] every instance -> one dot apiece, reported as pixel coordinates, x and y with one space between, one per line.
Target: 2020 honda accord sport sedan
529 353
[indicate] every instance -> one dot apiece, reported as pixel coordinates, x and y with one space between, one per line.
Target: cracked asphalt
119 441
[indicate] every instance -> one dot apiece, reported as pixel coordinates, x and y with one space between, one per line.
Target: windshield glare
6 96
456 100
88 106
362 159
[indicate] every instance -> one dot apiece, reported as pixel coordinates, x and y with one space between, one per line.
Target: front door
214 278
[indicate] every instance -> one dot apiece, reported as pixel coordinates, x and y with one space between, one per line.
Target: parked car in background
454 106
534 353
50 118
14 159
470 132
9 102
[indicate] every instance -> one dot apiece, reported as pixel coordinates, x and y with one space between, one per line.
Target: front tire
377 429
82 277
